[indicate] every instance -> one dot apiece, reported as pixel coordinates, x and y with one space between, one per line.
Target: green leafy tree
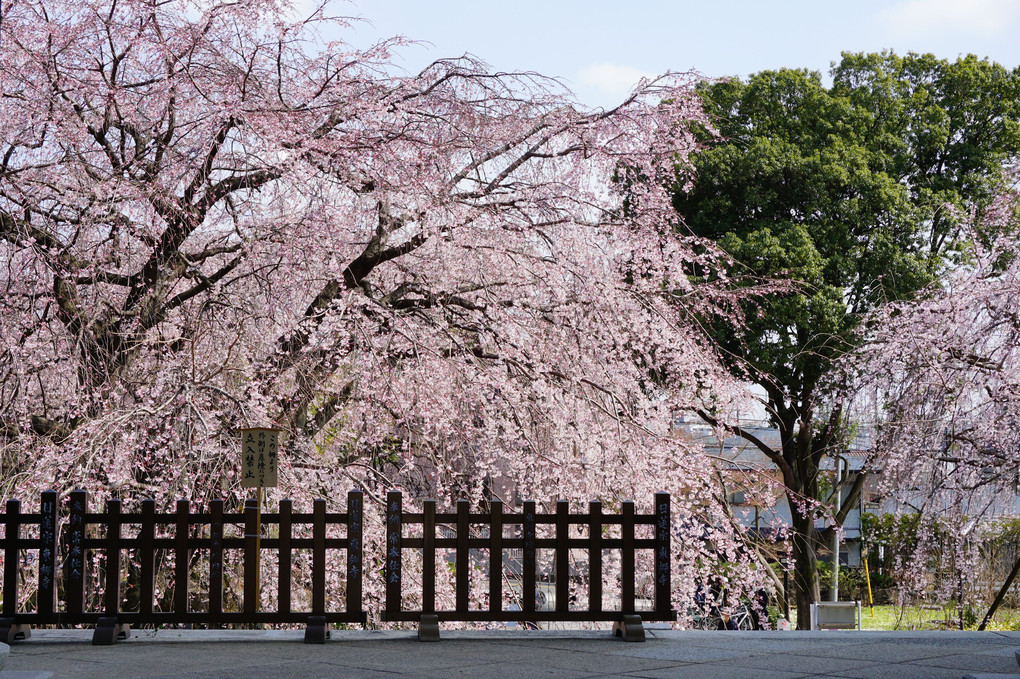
856 193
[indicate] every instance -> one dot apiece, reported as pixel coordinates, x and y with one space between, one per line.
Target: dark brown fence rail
465 531
95 544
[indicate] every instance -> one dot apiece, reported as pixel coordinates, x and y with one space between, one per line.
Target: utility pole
835 532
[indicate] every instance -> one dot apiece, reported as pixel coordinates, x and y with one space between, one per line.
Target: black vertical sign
75 567
663 571
47 553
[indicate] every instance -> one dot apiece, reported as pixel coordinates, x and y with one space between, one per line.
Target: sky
600 48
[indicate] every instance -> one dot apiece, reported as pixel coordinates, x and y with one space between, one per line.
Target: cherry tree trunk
805 567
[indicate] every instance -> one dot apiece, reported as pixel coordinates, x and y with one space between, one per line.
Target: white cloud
985 18
611 79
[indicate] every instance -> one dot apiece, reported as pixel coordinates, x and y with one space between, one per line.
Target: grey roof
742 453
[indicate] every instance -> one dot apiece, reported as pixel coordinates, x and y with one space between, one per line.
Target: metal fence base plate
316 631
428 628
630 628
108 632
10 632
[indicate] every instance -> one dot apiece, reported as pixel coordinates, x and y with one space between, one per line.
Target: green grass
891 617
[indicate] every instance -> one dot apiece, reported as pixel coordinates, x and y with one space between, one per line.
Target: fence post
316 631
283 599
629 626
562 556
595 556
463 561
147 558
216 558
627 558
251 575
663 565
112 593
318 557
496 556
428 557
107 630
9 631
393 547
355 553
181 562
528 557
12 556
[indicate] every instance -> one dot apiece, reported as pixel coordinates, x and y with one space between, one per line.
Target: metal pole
835 533
864 554
867 578
786 587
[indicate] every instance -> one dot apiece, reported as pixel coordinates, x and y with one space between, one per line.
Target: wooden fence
486 531
77 550
76 553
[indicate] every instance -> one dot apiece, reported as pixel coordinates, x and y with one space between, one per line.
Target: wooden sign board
258 457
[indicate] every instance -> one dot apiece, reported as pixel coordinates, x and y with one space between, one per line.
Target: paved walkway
666 653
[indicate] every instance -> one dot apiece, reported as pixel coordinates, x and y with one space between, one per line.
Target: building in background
754 489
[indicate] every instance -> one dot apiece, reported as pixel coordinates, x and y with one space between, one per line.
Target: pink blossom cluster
945 371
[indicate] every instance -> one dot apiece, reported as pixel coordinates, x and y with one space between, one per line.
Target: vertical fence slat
75 562
394 504
112 594
216 556
355 555
251 574
562 556
528 557
496 556
12 556
147 558
663 570
47 597
181 562
319 557
428 576
627 559
283 573
463 555
595 556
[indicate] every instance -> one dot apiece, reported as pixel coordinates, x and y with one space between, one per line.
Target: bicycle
739 619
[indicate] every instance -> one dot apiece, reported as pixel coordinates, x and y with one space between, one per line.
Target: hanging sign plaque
258 457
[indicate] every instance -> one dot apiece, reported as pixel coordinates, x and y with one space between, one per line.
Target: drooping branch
774 455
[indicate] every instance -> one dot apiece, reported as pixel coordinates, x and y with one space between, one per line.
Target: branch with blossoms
945 371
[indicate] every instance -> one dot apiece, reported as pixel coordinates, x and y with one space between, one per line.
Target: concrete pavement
518 653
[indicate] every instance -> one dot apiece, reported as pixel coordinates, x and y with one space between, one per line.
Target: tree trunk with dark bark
805 567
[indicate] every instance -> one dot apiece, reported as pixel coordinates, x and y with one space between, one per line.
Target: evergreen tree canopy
856 192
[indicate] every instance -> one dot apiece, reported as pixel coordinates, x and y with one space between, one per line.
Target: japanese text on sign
258 457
